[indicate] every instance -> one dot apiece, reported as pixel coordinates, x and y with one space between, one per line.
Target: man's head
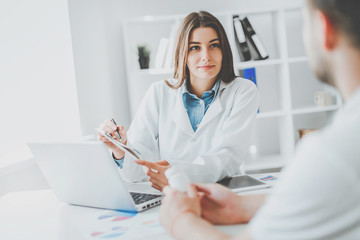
327 24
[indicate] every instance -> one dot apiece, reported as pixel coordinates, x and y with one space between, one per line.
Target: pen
117 130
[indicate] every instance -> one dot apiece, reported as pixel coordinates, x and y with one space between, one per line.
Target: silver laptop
84 173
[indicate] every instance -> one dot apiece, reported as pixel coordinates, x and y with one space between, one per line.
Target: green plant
144 56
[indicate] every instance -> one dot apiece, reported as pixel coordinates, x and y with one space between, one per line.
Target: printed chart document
120 225
123 147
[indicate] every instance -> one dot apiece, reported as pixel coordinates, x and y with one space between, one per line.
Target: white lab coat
161 130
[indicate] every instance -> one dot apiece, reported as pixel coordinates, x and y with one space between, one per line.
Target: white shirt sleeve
143 136
230 149
312 200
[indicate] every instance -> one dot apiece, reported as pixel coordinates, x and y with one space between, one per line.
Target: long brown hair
192 21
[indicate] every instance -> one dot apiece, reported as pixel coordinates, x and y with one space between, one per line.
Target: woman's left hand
175 204
156 172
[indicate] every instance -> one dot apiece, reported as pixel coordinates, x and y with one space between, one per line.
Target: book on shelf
259 52
169 58
240 39
161 53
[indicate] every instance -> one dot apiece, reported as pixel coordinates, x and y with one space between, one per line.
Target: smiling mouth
208 67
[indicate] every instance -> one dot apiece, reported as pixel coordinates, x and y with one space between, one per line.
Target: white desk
39 215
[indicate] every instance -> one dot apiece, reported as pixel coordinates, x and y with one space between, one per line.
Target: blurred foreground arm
181 213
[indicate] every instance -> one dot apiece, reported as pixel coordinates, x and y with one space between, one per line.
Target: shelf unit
285 82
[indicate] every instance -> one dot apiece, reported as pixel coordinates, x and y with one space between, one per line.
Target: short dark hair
191 22
344 14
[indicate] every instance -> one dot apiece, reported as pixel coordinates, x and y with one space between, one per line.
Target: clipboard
123 147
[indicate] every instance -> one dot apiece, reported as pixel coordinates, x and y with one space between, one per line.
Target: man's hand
176 203
180 213
156 172
219 205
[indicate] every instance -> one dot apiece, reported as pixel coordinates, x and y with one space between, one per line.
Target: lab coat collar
214 109
225 85
186 90
181 118
216 106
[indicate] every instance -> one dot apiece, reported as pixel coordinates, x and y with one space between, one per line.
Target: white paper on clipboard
123 147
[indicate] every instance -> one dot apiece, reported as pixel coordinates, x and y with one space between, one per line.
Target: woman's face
205 56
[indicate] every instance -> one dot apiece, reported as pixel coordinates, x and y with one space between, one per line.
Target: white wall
37 85
37 78
98 48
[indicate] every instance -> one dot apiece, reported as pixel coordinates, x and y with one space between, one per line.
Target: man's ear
328 33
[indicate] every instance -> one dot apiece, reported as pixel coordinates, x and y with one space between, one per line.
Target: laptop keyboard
142 197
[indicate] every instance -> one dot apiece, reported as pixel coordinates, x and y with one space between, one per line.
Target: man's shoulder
342 138
330 150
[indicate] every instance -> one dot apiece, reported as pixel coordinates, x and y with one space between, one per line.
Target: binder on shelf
240 39
254 40
250 74
161 52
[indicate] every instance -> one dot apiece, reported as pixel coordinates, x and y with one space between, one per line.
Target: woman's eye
215 45
194 48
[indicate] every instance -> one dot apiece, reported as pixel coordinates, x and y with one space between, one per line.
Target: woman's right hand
110 127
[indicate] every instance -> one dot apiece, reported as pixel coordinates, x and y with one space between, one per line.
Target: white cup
177 178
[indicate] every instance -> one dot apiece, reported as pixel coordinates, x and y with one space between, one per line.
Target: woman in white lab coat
200 120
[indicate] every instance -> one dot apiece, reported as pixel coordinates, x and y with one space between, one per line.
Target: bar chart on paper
118 225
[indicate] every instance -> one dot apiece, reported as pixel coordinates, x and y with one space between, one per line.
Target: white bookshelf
285 82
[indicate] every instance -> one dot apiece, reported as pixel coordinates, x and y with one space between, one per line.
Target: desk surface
39 215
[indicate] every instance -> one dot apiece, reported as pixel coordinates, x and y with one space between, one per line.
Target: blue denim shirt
197 107
118 162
